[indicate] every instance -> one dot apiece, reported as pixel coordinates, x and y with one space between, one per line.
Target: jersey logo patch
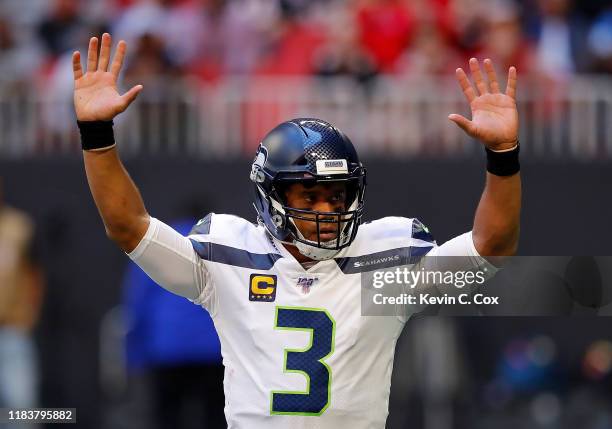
306 283
262 288
421 232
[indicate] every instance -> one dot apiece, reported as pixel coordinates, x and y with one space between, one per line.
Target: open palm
96 97
494 114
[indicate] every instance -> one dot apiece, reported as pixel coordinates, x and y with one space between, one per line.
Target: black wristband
503 163
96 135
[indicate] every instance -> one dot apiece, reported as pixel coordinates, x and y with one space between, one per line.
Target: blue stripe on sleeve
232 256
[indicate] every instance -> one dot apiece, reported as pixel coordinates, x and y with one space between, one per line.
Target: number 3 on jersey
309 361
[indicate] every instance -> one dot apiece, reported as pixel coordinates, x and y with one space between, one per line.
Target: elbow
118 234
499 246
115 232
500 251
127 235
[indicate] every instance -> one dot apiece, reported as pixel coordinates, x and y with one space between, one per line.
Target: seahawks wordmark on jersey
297 351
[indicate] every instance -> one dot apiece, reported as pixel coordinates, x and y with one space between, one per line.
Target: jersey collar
295 264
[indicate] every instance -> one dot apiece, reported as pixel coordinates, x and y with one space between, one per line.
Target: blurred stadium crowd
219 73
212 38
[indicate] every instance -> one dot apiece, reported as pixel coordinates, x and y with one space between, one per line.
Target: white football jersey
297 351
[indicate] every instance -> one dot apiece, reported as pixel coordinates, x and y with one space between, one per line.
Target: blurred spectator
63 29
20 302
175 342
19 56
430 53
342 55
205 37
292 43
385 27
228 37
25 14
192 35
463 21
148 62
142 17
600 42
503 39
150 66
561 41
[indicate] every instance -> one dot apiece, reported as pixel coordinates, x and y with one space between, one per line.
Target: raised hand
96 97
494 114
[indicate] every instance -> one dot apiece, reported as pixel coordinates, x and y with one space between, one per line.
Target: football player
284 293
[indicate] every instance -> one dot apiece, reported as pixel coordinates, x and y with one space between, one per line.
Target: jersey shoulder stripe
228 255
232 240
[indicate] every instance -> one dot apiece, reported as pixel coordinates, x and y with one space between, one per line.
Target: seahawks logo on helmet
257 175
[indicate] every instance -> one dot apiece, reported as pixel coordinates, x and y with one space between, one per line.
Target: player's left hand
494 114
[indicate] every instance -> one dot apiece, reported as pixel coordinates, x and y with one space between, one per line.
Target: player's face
329 197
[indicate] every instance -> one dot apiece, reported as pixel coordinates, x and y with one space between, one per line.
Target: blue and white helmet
308 151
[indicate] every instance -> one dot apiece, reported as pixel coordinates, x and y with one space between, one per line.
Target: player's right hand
95 93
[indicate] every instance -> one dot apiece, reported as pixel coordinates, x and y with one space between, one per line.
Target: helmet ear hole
260 177
278 220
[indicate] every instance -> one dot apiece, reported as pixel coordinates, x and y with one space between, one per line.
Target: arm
117 198
96 99
495 123
164 254
497 220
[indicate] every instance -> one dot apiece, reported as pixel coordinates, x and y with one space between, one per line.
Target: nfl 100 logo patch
305 283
